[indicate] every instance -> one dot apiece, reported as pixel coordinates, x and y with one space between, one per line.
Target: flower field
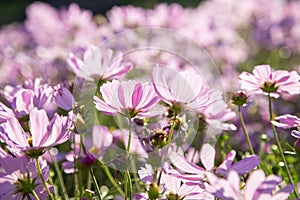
154 103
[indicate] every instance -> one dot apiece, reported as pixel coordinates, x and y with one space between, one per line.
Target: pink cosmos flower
178 189
43 133
207 157
171 185
288 121
100 139
95 145
70 26
258 187
19 177
99 64
185 88
129 98
33 93
125 17
217 113
265 81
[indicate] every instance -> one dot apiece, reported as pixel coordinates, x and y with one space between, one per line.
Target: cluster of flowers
156 134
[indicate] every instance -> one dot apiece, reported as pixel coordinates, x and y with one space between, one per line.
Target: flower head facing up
19 178
43 133
265 81
130 98
183 89
99 64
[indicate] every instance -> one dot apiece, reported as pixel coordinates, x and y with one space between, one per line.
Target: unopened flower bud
239 98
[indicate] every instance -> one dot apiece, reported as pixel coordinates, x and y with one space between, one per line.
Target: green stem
42 177
168 146
88 184
76 178
111 178
280 148
135 176
245 130
35 195
128 183
155 175
60 178
95 183
129 139
128 186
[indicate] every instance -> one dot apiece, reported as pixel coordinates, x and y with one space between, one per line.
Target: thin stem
135 176
89 185
155 175
95 183
76 170
42 177
128 183
168 146
280 148
80 172
35 195
60 178
111 178
245 130
129 138
128 186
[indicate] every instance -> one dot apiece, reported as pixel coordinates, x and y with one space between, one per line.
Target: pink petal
207 156
38 126
184 165
226 164
262 72
246 165
104 107
255 179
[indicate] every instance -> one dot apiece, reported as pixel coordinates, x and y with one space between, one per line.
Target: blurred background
14 10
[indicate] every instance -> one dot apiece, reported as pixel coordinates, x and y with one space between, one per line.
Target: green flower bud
239 98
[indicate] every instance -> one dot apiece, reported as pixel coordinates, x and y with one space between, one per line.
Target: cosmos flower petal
207 156
246 165
38 126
